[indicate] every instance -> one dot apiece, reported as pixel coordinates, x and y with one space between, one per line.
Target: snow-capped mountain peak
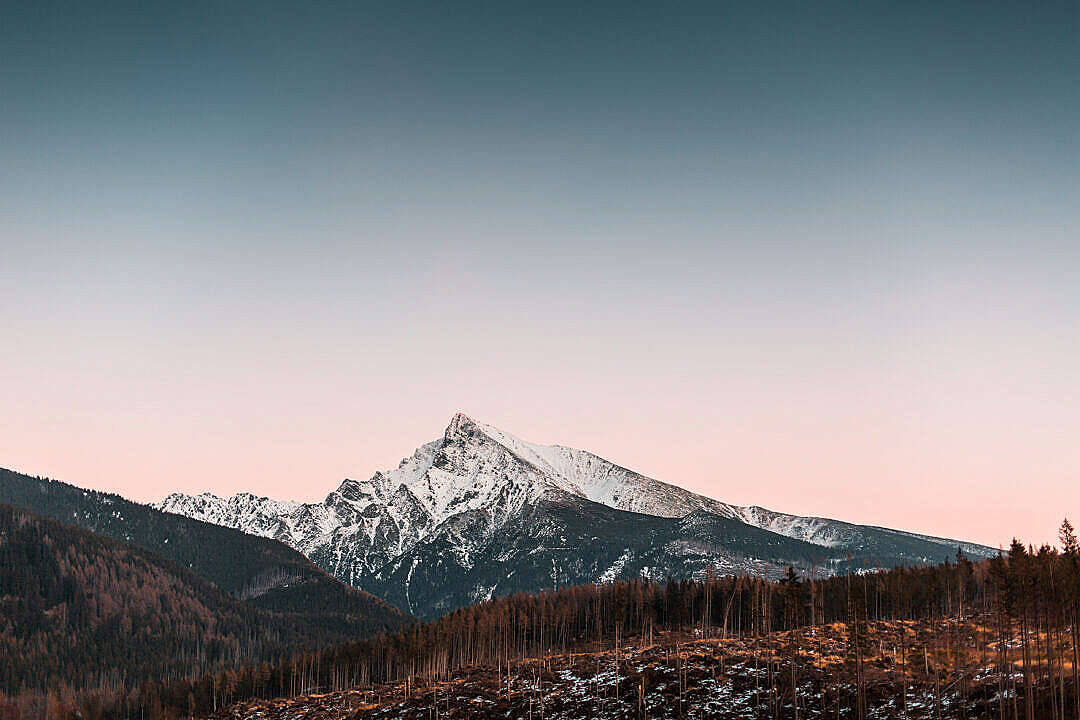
592 477
481 495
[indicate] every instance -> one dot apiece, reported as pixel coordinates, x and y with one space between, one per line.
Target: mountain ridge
457 498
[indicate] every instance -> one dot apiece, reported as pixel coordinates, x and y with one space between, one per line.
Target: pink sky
818 261
822 261
925 429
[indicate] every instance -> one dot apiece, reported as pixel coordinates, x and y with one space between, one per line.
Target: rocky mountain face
479 513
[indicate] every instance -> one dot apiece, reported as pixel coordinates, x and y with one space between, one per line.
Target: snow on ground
677 677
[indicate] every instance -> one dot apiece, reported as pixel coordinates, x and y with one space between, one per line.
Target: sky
824 258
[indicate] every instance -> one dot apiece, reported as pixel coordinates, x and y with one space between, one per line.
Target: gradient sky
823 259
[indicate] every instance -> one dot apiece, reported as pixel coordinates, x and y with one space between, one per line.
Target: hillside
79 610
263 571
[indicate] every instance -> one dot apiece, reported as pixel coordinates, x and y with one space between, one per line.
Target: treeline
1032 596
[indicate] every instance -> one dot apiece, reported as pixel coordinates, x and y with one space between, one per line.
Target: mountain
479 512
260 571
83 611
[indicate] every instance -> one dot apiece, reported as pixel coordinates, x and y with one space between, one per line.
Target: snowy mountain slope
599 480
848 536
464 484
604 482
480 512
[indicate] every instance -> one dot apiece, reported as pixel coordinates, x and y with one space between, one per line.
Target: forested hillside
82 611
267 572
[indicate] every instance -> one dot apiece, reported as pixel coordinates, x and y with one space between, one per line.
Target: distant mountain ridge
258 570
480 512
